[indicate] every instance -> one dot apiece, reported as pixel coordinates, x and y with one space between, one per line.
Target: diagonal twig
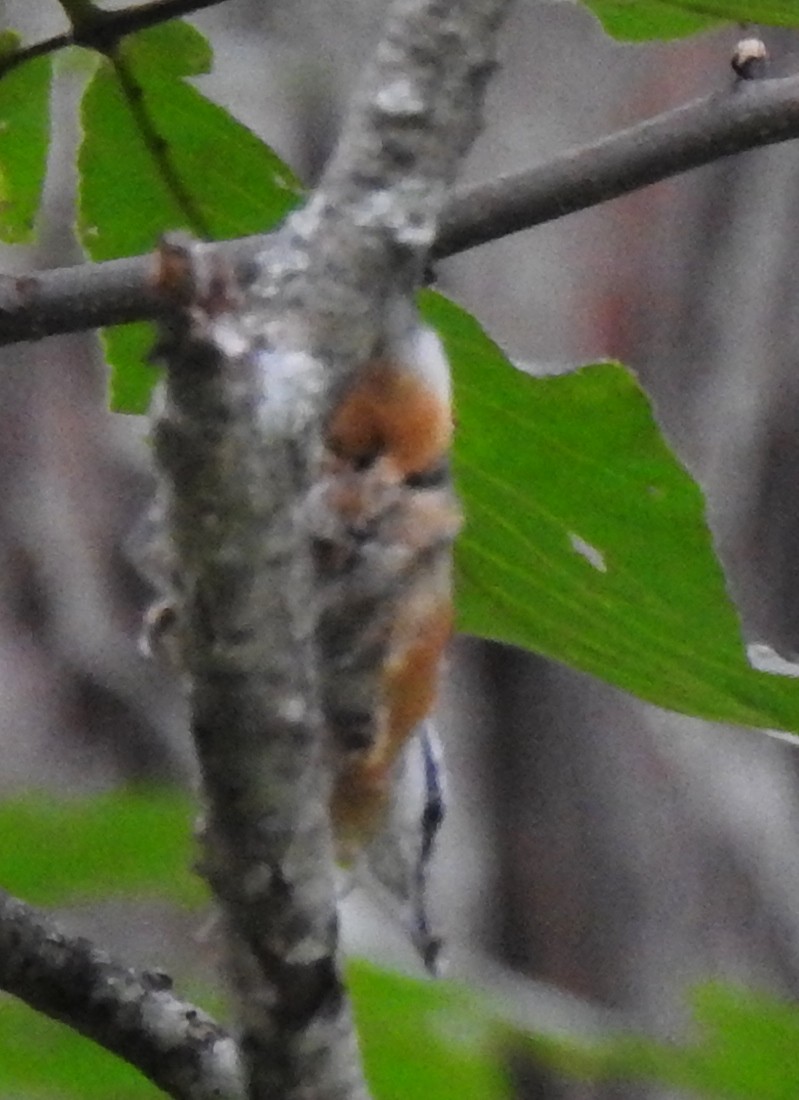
131 1013
762 113
107 28
748 116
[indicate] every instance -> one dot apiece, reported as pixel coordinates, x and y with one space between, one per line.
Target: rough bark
251 368
132 1013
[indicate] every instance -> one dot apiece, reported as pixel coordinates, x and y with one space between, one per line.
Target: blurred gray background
617 851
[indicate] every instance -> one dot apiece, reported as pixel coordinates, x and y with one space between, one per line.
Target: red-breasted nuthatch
383 518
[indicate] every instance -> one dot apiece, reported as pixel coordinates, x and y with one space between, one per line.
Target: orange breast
390 426
390 412
410 684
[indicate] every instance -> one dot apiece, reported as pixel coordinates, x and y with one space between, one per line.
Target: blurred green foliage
43 1060
68 851
640 20
747 1049
423 1039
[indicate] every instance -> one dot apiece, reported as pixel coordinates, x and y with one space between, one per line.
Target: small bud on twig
750 58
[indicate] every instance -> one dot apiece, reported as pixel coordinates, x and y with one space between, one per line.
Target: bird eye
364 461
433 477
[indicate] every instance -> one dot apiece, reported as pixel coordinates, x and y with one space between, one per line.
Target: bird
383 518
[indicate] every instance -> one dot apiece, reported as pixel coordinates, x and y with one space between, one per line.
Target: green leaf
58 852
24 136
236 183
586 540
133 377
748 1049
641 20
636 20
422 1039
777 13
43 1060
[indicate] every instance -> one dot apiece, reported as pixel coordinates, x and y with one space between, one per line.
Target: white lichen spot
229 338
401 99
377 208
593 556
410 223
225 1066
287 377
292 709
415 234
164 1017
305 220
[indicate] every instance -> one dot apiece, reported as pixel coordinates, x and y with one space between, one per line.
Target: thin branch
104 31
139 17
750 115
131 1013
119 291
764 113
250 371
134 1015
37 49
